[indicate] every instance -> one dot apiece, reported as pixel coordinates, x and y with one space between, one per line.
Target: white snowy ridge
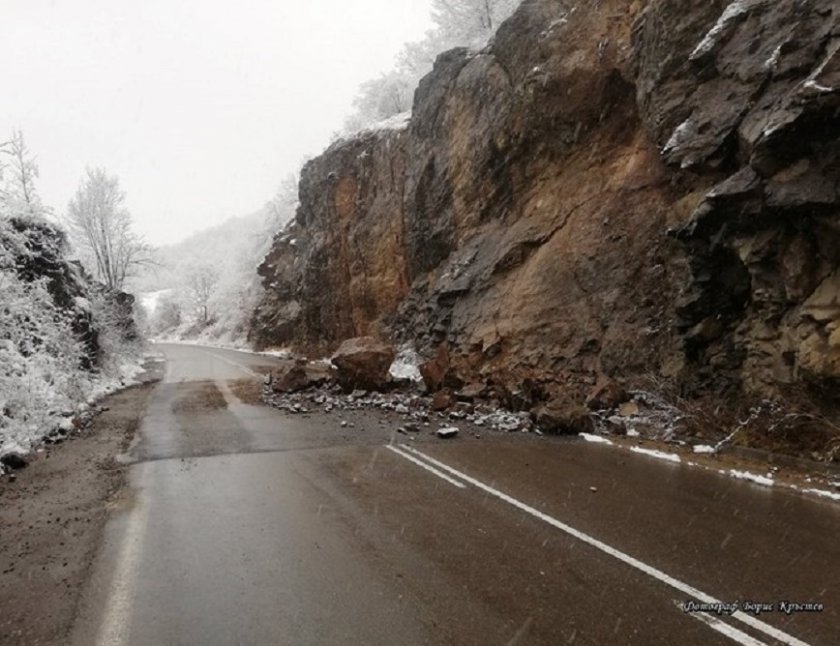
595 439
767 480
659 455
703 448
824 494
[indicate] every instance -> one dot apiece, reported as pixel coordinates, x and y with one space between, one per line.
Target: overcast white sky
201 107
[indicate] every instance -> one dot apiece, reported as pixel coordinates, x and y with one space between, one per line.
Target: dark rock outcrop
643 188
39 253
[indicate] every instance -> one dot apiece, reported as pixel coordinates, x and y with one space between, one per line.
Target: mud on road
52 514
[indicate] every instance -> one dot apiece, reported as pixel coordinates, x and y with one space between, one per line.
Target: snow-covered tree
470 22
202 279
19 194
100 228
383 97
281 208
217 307
464 23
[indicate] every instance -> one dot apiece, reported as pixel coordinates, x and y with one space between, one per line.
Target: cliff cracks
646 190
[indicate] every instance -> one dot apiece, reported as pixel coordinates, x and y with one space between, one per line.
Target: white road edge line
443 476
659 575
729 631
115 627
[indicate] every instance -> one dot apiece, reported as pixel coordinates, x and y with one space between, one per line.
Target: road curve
244 525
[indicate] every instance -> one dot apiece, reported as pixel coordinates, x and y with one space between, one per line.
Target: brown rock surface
631 188
293 375
435 370
606 394
443 400
363 363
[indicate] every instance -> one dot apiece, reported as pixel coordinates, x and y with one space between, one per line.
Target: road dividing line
428 468
234 364
691 593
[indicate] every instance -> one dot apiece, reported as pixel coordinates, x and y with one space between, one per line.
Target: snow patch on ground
766 481
23 438
824 494
704 448
277 354
659 455
595 439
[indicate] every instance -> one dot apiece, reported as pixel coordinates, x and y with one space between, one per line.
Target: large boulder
294 375
363 363
562 416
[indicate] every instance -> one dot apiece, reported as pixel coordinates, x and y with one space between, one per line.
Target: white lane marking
233 363
729 631
691 592
116 620
431 469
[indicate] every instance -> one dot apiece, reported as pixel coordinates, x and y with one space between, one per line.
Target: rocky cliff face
646 189
36 251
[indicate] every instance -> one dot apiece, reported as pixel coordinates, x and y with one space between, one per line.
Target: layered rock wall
647 189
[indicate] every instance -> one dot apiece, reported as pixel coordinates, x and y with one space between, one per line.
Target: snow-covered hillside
205 288
64 340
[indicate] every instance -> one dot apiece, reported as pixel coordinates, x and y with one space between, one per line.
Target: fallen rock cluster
357 377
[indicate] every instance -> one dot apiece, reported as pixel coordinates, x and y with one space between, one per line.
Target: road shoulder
51 519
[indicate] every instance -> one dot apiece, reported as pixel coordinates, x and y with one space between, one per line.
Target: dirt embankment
52 514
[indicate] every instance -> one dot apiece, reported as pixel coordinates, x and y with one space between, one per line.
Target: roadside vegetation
65 338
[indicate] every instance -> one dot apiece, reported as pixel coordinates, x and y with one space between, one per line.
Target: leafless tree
19 195
202 281
100 226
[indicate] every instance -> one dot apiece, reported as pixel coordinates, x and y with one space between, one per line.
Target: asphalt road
245 525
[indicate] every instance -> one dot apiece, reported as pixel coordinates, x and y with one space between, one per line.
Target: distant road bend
245 525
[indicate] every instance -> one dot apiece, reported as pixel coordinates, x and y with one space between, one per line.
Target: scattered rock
628 409
13 460
363 363
289 377
443 400
471 392
447 432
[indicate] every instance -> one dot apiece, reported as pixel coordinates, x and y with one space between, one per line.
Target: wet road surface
245 525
